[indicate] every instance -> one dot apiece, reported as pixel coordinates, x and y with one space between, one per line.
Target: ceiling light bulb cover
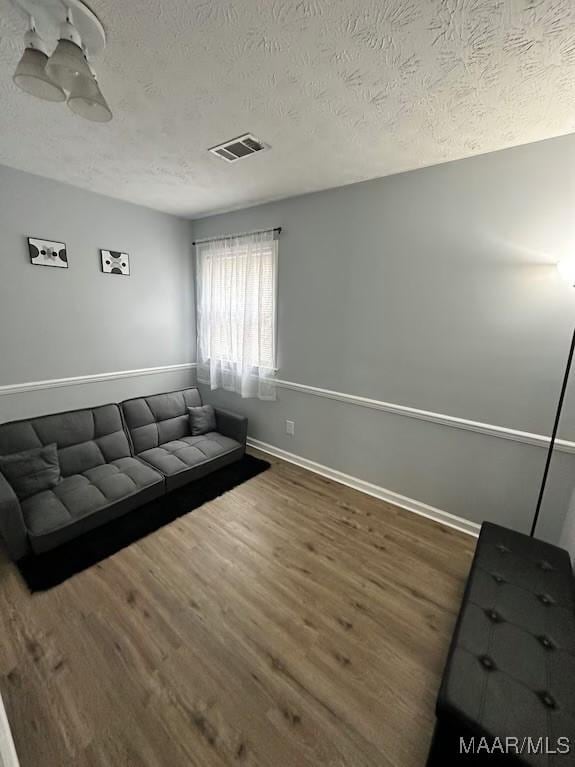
87 101
67 63
30 75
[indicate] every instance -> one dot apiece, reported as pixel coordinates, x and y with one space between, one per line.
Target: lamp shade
30 76
566 269
66 64
87 101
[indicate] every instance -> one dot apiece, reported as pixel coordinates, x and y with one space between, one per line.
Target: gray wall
58 323
433 289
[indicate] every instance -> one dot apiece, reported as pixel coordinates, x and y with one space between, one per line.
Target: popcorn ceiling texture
343 90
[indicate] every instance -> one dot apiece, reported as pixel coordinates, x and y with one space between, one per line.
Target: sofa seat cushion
68 509
188 458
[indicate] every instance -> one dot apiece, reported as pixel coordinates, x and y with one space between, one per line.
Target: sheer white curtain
236 313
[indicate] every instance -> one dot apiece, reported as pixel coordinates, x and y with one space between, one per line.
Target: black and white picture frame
47 253
115 262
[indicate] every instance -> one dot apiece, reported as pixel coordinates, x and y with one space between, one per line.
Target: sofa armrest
12 527
232 425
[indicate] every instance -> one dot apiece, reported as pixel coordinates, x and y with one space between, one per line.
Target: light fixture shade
566 269
31 77
66 64
86 100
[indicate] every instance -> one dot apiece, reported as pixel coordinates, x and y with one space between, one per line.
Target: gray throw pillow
202 419
31 471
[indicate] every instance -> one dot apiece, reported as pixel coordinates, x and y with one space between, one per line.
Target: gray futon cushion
32 471
160 428
83 501
202 420
188 458
101 479
160 418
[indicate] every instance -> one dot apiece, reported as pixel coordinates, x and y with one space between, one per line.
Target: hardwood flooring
292 622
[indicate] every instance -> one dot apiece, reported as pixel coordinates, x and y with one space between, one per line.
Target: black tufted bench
510 672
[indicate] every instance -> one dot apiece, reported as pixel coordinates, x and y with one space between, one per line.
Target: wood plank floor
293 622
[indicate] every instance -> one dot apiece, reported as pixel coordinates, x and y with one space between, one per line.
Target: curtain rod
277 230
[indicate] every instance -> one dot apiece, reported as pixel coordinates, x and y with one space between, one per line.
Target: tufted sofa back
85 438
160 418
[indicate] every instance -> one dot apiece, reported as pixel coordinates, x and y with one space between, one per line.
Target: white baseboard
410 504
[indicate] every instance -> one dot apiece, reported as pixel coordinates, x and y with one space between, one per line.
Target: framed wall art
115 262
47 253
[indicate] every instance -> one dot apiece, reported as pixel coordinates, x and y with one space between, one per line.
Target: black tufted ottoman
508 689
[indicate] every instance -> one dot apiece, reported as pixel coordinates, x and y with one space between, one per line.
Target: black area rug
43 571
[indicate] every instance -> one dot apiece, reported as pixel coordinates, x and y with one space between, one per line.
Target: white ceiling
343 90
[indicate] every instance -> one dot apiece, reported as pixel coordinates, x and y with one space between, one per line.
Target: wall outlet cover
290 428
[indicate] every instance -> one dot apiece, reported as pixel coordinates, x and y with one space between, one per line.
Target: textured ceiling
343 90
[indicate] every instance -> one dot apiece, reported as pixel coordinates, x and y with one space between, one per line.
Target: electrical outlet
290 428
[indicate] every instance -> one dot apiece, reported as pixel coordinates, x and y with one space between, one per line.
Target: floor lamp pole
553 435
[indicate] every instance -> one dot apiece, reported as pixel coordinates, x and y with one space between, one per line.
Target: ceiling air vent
242 146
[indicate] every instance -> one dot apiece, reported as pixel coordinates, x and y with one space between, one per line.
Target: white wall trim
502 432
458 523
491 430
55 383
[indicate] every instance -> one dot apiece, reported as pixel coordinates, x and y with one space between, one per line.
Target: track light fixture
66 75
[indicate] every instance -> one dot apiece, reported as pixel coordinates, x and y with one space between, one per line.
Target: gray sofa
113 459
159 429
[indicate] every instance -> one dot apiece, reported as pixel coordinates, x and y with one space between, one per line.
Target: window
236 313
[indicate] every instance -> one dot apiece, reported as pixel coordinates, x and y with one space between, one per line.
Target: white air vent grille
237 148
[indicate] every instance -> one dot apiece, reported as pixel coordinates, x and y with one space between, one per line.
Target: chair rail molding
54 383
491 430
453 422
